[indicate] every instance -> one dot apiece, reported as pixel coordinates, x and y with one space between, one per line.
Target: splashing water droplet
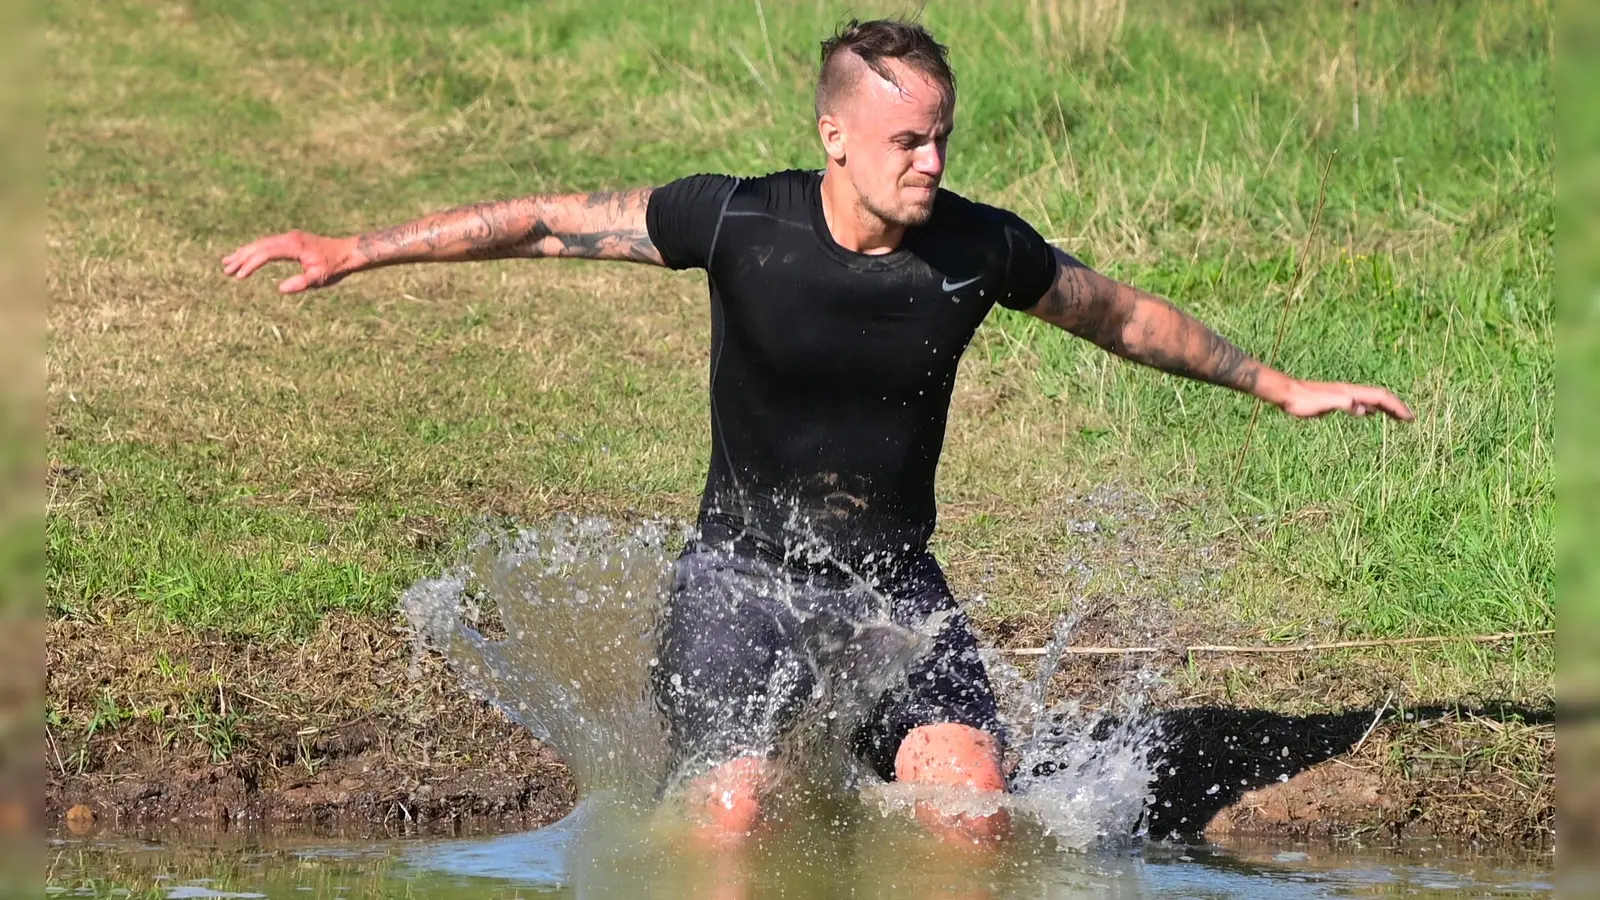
581 602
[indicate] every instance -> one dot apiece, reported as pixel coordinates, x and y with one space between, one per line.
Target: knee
726 802
961 757
952 755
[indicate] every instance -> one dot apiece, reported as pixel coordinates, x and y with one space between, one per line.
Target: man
841 302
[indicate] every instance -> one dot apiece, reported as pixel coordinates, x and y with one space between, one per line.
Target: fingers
1397 408
313 274
244 261
1355 399
246 264
1366 400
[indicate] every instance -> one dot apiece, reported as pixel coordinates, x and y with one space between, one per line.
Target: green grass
193 545
222 457
1442 527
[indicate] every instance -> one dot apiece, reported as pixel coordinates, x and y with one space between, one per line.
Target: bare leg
953 755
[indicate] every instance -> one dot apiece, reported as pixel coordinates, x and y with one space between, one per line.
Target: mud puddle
869 857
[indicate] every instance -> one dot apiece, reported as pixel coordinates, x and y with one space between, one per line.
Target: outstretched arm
1147 329
605 225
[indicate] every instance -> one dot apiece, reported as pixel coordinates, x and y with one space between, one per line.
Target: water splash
558 626
1084 776
579 605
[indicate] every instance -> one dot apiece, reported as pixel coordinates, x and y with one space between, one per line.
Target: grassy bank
225 459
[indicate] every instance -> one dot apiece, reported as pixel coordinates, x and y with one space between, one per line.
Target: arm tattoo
1174 341
604 225
1142 327
1083 302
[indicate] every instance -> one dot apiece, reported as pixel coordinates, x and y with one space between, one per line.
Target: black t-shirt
831 370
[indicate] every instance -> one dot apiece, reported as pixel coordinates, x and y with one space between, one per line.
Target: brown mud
349 729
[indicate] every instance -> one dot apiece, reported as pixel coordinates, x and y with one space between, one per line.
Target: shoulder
694 186
1007 244
685 218
978 219
788 181
775 190
790 189
990 230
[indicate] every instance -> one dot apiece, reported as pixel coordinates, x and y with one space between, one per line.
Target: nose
929 160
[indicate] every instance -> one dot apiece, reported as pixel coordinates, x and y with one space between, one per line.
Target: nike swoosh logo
958 285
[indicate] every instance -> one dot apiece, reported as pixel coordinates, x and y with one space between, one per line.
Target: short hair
874 43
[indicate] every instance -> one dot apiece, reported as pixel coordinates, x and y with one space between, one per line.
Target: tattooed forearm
1161 335
606 225
1085 303
1143 328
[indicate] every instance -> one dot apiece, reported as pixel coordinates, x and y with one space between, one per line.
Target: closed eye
910 140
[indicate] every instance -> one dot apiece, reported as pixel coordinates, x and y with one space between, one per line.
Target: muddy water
558 627
863 860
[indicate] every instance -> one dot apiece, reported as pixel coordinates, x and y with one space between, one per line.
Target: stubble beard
907 217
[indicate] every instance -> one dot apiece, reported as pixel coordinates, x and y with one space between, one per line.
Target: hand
1309 399
323 260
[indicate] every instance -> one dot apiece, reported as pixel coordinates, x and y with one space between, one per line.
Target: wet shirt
831 370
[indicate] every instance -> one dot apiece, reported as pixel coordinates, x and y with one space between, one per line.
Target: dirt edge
350 731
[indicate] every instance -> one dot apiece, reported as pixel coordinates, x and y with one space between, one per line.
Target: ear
832 133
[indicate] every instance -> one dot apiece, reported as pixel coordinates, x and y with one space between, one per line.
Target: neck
853 227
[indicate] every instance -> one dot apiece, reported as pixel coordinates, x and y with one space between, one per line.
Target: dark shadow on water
1211 756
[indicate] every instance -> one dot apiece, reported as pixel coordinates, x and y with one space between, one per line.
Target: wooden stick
53 749
1296 284
1286 648
1376 718
1355 66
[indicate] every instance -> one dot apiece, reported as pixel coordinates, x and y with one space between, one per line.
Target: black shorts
747 647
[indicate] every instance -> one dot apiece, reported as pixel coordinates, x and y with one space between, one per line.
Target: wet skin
727 802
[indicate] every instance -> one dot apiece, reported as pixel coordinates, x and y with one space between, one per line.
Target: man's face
894 144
